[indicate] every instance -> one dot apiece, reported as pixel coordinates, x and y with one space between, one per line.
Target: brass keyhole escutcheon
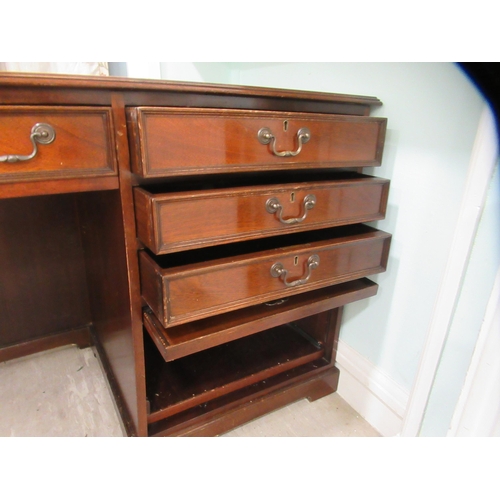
285 125
292 197
296 260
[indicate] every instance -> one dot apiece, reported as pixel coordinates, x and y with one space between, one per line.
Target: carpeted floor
63 392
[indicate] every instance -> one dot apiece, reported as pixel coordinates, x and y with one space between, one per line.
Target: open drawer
182 340
172 221
192 285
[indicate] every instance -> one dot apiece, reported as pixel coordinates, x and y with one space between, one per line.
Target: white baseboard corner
370 392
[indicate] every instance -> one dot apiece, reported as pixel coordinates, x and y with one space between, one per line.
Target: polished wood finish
187 141
81 337
57 186
53 89
186 339
106 268
154 193
134 381
169 222
82 146
193 290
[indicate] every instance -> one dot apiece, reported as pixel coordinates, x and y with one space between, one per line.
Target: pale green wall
433 113
196 72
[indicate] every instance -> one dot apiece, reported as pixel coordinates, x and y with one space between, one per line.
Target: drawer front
48 142
169 142
179 221
193 291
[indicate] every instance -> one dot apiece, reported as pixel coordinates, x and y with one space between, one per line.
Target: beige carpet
63 392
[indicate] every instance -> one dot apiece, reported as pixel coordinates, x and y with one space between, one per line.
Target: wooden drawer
168 141
183 340
191 285
168 222
82 144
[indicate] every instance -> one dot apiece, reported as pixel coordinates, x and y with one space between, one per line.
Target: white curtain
68 68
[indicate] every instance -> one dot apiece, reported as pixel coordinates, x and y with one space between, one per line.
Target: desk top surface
45 81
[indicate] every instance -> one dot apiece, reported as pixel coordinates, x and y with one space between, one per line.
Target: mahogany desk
204 238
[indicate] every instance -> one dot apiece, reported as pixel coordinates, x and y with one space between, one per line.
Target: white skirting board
375 396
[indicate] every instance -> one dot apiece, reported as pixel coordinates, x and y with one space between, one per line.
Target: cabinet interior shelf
201 362
198 378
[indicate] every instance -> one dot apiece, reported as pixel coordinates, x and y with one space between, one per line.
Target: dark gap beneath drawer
227 181
264 244
182 340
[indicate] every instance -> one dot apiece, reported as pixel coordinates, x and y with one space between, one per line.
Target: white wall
180 71
468 318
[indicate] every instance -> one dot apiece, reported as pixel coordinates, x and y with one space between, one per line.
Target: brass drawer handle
265 136
279 271
41 133
273 205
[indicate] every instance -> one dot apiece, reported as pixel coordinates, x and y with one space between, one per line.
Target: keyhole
296 260
292 197
285 125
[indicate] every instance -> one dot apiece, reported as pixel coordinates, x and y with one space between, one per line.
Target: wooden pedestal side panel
170 141
102 235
